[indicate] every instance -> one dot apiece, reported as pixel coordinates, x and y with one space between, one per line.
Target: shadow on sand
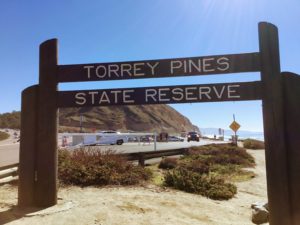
15 212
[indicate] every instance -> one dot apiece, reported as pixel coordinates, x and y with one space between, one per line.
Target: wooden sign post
27 165
291 91
274 127
279 94
46 184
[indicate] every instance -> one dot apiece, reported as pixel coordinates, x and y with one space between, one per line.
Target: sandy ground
13 136
139 205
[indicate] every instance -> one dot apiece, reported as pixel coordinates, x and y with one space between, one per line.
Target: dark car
193 136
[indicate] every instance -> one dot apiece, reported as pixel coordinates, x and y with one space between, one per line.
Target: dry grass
87 167
253 144
3 135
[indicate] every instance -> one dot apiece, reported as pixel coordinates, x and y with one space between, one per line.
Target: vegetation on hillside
124 118
209 170
3 136
253 144
10 120
85 167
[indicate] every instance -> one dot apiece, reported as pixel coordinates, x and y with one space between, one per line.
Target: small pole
235 137
81 119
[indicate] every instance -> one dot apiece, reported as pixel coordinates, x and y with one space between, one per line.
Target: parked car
111 138
193 136
146 138
98 139
174 138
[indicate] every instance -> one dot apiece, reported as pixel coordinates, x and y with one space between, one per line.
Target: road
139 147
9 149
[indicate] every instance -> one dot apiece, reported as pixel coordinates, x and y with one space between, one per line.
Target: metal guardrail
9 172
142 156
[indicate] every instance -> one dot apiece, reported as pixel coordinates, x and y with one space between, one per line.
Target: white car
174 138
111 139
81 139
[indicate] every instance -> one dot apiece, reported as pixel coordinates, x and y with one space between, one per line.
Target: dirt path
13 136
140 205
9 148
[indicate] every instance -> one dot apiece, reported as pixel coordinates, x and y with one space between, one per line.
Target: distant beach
210 132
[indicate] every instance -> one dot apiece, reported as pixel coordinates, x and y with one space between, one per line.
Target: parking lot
9 149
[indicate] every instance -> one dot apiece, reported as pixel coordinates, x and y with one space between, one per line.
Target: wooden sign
161 95
280 105
219 64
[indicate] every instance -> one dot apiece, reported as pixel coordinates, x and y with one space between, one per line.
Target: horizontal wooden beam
192 66
161 95
9 166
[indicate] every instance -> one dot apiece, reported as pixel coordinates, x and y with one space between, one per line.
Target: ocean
210 132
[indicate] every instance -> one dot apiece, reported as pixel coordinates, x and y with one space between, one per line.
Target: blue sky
110 31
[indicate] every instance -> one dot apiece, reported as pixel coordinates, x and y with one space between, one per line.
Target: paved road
136 147
9 149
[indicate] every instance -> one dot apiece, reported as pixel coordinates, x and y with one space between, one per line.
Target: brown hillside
125 118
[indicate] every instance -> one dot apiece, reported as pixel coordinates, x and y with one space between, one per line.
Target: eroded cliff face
125 118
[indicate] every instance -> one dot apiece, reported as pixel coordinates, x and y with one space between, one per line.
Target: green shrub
231 172
92 167
192 182
219 190
205 168
168 163
253 144
3 135
221 154
10 120
197 166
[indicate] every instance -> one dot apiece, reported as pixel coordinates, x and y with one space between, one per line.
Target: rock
260 213
258 205
266 206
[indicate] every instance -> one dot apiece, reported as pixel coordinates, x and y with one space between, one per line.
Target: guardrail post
27 159
46 188
141 159
185 151
155 141
274 126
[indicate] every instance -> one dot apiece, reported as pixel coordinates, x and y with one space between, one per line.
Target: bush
219 190
198 166
253 144
91 167
168 163
231 172
192 182
221 154
3 136
10 120
205 168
